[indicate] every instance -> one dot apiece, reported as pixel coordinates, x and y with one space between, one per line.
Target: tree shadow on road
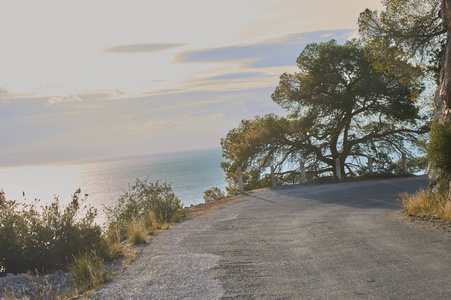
377 194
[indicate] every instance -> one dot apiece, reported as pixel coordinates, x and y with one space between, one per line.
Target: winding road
339 241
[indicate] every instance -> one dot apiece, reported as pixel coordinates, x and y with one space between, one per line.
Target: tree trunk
439 180
445 84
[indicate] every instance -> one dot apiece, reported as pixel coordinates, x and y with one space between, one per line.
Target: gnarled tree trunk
445 86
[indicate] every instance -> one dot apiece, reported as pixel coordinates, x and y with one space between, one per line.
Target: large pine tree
338 107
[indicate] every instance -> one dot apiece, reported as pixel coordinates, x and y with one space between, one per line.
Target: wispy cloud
155 123
232 76
142 48
273 52
327 35
205 118
64 99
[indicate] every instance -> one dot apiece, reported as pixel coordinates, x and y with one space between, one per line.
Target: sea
190 173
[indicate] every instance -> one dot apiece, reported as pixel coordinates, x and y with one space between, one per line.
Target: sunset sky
94 79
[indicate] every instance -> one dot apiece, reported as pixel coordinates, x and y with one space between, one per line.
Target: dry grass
88 272
424 204
115 248
447 211
150 220
199 209
36 291
137 232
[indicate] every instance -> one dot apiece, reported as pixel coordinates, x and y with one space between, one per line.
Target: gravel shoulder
338 241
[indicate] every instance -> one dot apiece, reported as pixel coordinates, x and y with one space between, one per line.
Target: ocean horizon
189 173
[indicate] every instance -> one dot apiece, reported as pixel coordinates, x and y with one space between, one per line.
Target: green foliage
38 240
406 29
113 248
213 194
414 30
87 271
179 216
142 198
338 106
439 153
254 145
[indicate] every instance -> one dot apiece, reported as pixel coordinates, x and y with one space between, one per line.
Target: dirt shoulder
201 208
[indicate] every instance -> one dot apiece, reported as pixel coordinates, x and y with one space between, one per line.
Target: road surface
339 241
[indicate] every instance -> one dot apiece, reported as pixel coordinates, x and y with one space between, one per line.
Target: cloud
232 76
3 91
326 35
273 52
160 123
142 48
64 99
205 118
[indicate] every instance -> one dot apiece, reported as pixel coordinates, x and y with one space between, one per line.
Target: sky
87 80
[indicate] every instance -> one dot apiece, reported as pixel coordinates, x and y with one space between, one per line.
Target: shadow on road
377 194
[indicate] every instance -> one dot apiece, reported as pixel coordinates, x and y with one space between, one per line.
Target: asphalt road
342 241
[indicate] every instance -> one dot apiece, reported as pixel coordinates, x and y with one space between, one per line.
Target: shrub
32 239
213 194
151 202
439 152
178 216
87 271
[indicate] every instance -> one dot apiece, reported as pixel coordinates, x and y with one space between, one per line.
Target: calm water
190 173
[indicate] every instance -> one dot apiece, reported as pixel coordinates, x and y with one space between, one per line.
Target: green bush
213 194
142 198
439 152
87 271
36 240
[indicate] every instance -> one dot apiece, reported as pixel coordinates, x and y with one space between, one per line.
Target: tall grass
137 232
446 211
87 271
150 221
424 204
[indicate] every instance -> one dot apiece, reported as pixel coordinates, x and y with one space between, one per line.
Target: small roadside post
404 163
302 172
273 179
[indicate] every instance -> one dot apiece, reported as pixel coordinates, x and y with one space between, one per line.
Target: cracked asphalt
339 241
